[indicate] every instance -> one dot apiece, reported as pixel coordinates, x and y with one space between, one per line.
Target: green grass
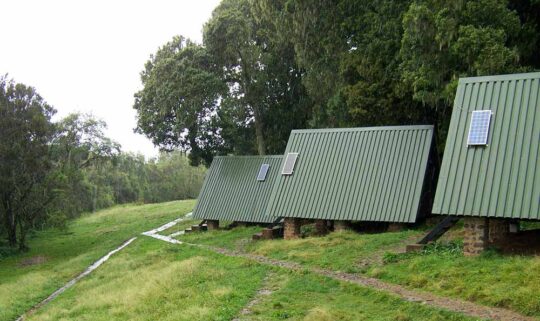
314 298
69 252
154 280
341 251
181 226
234 239
492 279
511 282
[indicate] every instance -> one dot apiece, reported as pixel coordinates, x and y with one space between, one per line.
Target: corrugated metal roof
501 179
364 174
231 191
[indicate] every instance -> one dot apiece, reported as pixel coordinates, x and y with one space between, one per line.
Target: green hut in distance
237 188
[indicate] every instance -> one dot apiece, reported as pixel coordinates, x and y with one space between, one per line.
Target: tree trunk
261 144
11 227
259 126
22 236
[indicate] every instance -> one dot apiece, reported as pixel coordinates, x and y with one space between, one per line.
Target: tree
231 38
26 183
80 144
266 94
178 105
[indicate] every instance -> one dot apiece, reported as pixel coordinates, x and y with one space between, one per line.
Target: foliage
78 146
343 63
265 90
51 172
177 106
26 179
247 93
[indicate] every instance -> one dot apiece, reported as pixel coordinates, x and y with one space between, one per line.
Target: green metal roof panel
364 174
502 178
231 191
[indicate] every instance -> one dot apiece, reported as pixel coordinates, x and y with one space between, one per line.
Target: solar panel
262 172
478 132
288 167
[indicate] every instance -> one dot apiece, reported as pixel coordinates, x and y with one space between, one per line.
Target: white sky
87 56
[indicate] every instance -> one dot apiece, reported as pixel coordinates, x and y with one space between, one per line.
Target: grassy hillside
508 281
152 279
56 256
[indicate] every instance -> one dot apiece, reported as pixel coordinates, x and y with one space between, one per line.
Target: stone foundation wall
476 235
212 224
291 228
267 234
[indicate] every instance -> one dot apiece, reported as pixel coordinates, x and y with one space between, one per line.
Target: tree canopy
53 171
25 184
290 64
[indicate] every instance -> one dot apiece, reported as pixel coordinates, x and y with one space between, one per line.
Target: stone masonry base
291 228
476 235
479 232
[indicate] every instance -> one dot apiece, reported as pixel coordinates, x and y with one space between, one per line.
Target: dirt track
455 305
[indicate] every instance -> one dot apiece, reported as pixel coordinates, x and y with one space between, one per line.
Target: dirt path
455 305
259 296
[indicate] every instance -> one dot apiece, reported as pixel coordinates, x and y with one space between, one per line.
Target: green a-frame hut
490 173
237 188
352 174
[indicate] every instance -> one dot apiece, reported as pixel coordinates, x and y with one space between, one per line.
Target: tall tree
177 106
445 40
25 183
231 38
80 143
258 65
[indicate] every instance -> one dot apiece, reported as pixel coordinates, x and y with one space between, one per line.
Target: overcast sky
87 56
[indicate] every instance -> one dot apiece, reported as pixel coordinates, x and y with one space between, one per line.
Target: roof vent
262 172
288 166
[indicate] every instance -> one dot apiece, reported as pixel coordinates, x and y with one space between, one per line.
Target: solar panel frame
479 128
288 165
263 171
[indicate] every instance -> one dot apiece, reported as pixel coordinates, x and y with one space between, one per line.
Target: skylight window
262 172
290 161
